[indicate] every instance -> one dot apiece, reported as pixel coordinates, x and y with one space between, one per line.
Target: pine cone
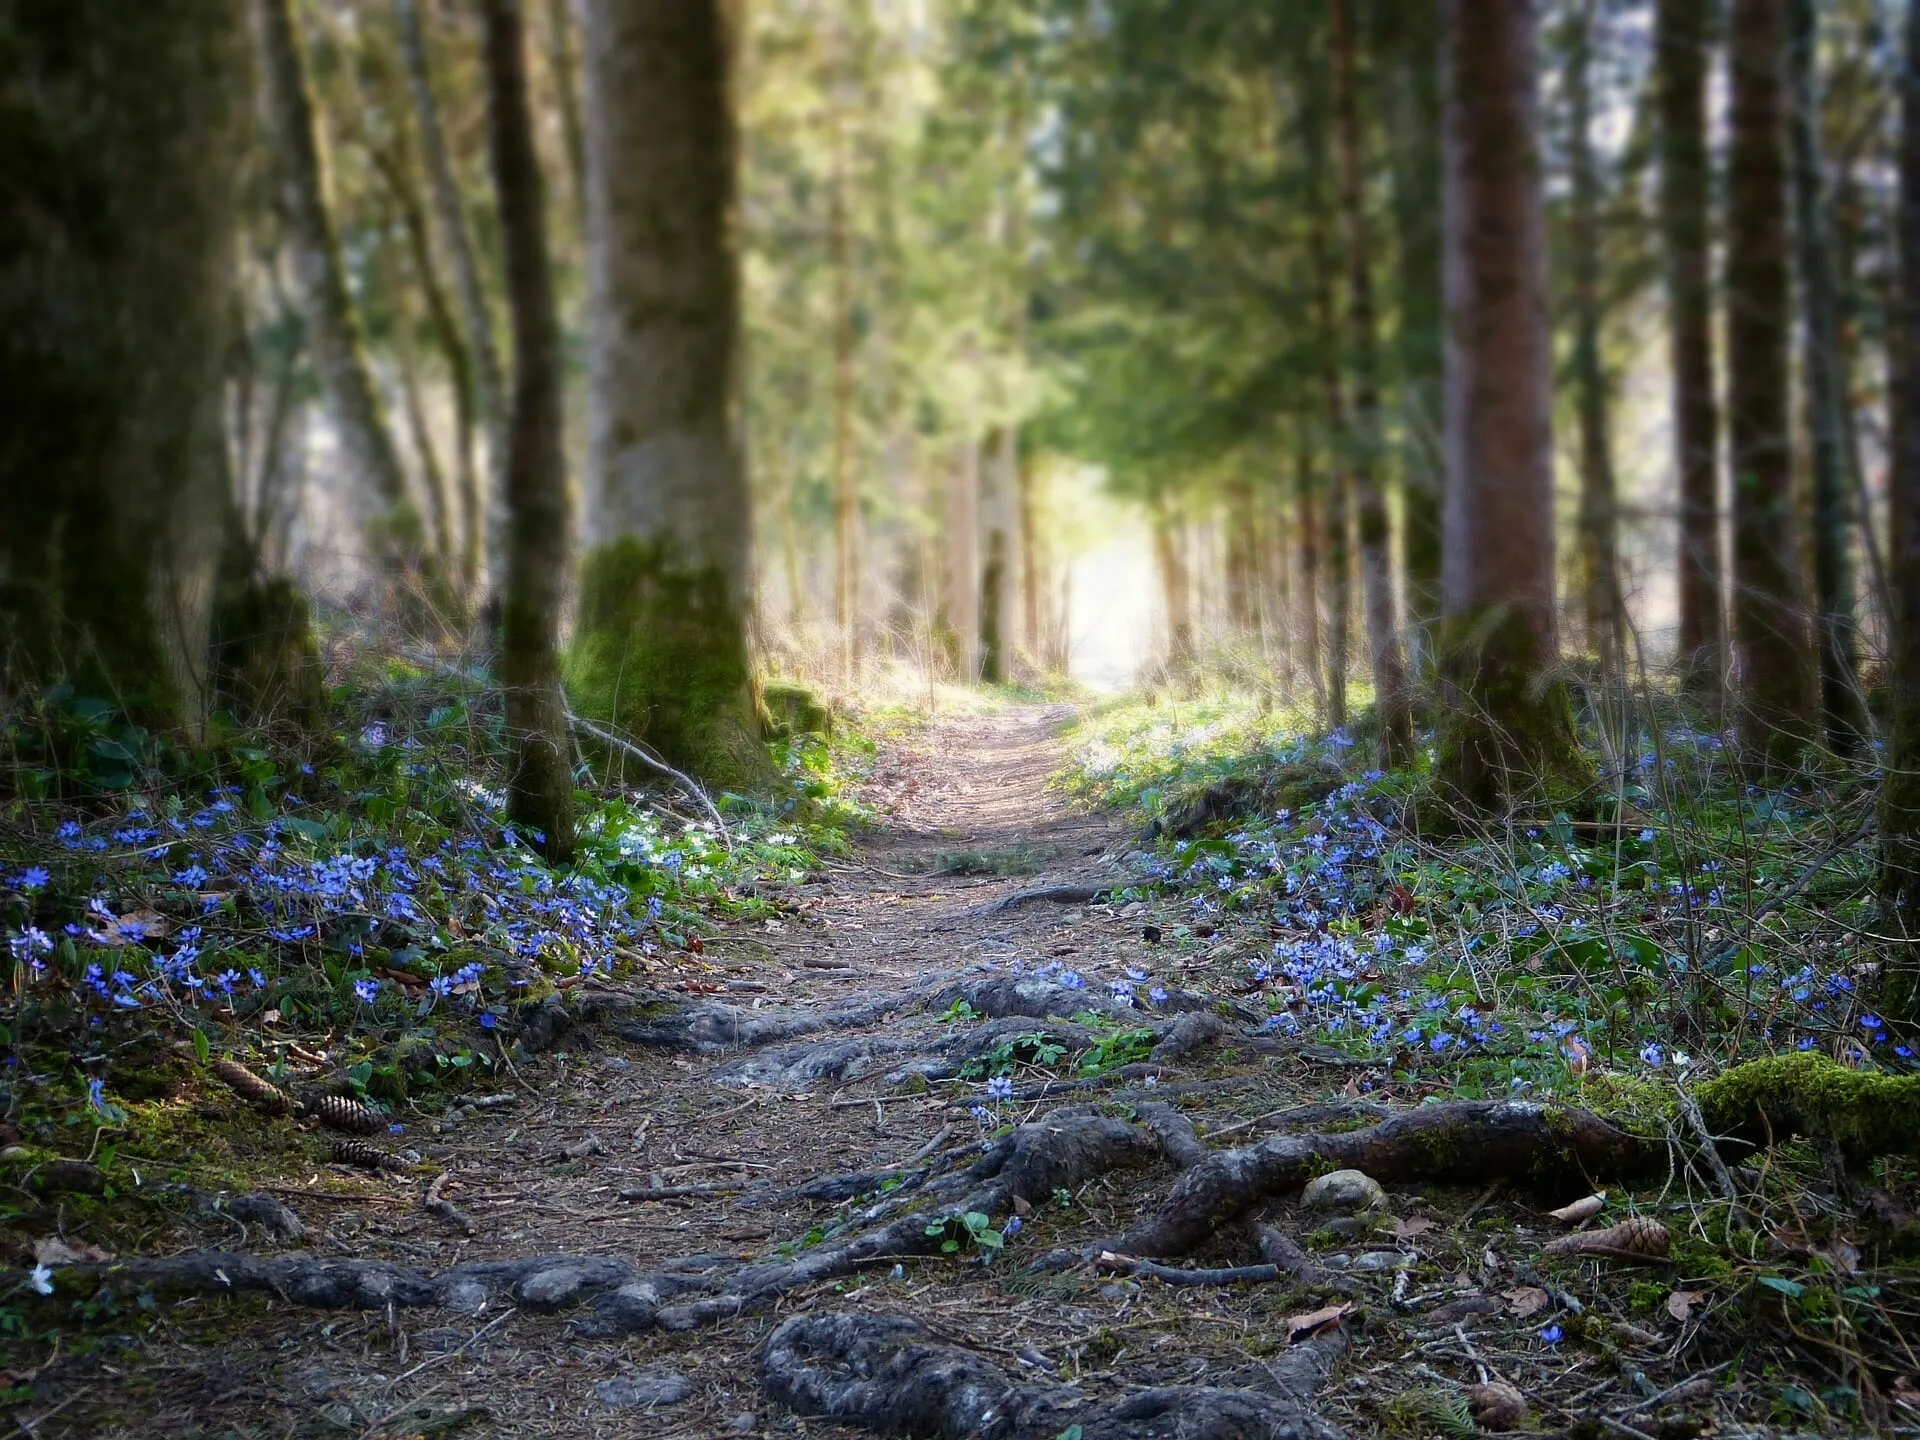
267 1098
337 1112
1641 1238
358 1152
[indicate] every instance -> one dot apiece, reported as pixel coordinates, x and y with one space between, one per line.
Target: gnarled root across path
796 1155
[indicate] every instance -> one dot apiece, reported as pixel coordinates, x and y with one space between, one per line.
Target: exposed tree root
1063 1149
1183 1021
891 1374
1044 895
1554 1149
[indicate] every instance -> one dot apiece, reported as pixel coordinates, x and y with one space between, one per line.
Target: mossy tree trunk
333 324
1392 700
118 154
1823 371
540 795
1506 728
481 374
1683 32
660 646
1770 630
1900 801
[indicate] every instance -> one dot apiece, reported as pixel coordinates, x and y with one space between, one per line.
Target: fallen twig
433 1204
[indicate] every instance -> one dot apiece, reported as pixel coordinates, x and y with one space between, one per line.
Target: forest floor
599 1141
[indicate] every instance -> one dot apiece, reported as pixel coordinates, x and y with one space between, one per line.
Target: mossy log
1808 1094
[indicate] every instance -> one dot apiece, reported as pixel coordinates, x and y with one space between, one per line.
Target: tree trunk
1339 564
1307 525
846 529
563 61
1683 32
540 793
117 162
488 395
396 166
1414 113
999 463
1033 587
1900 802
1823 373
1391 698
333 325
1506 729
961 593
1175 590
1599 551
660 646
1769 621
1243 555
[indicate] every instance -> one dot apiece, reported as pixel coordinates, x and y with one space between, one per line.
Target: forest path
965 793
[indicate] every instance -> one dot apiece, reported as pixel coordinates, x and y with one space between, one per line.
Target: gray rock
650 1389
1345 1192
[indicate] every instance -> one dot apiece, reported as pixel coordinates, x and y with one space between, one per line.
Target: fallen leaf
1418 1225
1584 1209
1022 1206
1906 1391
1305 1326
1681 1302
54 1251
1527 1300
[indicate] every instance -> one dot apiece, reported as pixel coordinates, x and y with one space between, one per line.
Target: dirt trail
966 794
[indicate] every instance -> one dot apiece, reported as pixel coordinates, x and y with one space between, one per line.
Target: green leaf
1792 1289
202 1047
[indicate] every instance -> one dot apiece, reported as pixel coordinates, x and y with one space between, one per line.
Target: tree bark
1823 374
540 793
1175 589
1683 32
1507 728
846 499
333 324
487 395
1392 700
117 163
1307 525
999 463
661 642
1339 564
1414 112
563 61
1900 800
1770 632
1033 587
1599 549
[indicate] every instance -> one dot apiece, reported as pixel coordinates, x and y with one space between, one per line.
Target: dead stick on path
433 1204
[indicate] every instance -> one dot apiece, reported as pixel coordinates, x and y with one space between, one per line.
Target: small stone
743 1422
1345 1192
649 1389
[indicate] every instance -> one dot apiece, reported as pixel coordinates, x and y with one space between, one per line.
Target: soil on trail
976 872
